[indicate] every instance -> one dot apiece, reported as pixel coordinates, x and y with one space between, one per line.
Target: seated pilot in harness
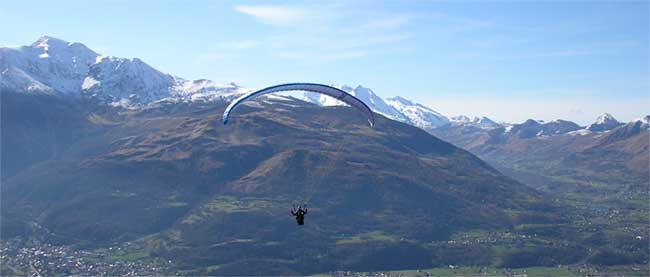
299 214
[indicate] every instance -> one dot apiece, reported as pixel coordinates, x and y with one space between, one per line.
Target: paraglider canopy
317 88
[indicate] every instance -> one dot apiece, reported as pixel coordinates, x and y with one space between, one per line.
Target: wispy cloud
328 32
274 15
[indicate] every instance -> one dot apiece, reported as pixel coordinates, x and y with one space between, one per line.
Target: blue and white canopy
317 88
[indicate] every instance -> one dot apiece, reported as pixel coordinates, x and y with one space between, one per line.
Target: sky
509 61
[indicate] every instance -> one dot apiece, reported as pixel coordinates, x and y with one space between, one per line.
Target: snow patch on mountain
581 132
89 82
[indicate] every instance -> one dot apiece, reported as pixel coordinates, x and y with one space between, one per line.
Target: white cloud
325 32
274 15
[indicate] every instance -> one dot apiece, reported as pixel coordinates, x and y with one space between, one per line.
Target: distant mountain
627 144
396 108
57 67
47 65
559 148
52 66
624 132
604 122
558 127
376 103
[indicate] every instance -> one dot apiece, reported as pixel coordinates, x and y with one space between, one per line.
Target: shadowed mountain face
205 193
33 129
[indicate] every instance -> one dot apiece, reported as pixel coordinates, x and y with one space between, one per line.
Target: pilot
299 214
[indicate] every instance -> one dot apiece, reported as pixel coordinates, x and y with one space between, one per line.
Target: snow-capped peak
49 63
48 41
397 108
58 67
55 66
605 118
53 47
604 122
362 92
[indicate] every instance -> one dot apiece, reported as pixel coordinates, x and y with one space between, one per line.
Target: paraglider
341 95
317 88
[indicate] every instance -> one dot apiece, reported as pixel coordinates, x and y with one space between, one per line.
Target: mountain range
99 151
57 67
561 153
54 66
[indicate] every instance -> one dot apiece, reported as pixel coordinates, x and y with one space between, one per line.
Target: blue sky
506 60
